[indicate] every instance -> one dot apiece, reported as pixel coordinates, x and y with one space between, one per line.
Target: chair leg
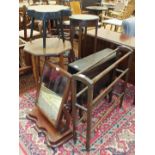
116 28
104 25
61 61
111 27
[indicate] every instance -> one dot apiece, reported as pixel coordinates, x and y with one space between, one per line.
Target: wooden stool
83 21
46 13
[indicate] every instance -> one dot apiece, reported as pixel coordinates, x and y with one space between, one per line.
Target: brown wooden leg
74 113
61 61
124 89
35 71
80 41
116 28
111 27
89 113
95 39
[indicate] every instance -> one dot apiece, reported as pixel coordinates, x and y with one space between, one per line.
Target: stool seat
54 47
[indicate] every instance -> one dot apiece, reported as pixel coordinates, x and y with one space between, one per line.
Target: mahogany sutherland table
110 39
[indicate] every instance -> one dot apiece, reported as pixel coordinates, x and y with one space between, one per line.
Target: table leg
61 27
80 41
44 33
35 71
32 27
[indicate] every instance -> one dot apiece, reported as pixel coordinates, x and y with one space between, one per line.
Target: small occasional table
45 13
113 37
109 5
83 21
110 39
54 47
97 9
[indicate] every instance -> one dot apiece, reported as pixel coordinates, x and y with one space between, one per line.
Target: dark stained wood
54 47
54 138
24 61
46 13
57 131
82 22
110 39
122 53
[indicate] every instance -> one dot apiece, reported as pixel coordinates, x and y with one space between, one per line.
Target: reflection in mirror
54 80
49 102
52 90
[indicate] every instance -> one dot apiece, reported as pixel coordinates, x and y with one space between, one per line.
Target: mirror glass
52 89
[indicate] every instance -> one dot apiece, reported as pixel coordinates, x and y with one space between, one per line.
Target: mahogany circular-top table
45 13
97 9
83 21
109 5
83 17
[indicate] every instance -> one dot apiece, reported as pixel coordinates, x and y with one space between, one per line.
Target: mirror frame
64 73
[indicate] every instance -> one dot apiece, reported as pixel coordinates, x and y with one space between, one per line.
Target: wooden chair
116 17
24 35
76 9
24 59
126 12
24 24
